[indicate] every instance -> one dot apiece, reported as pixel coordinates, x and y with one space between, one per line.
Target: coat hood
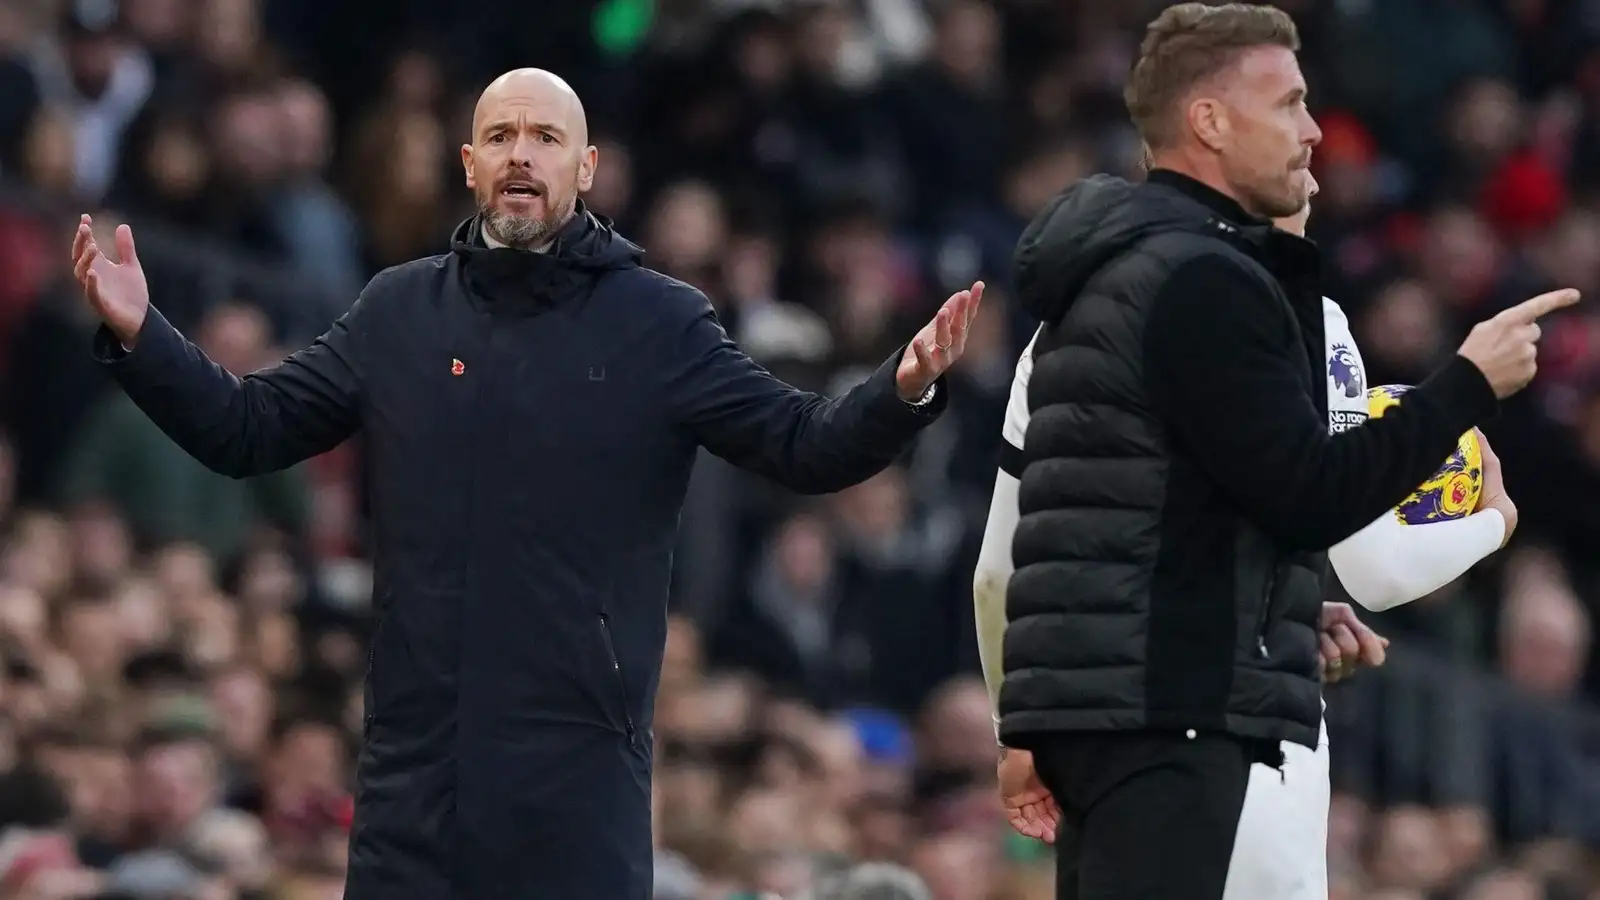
1091 223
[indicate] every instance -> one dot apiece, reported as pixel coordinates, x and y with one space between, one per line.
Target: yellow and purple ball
1453 491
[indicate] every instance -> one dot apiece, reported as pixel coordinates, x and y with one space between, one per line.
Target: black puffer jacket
1180 484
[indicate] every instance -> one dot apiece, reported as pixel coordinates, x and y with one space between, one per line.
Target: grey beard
521 232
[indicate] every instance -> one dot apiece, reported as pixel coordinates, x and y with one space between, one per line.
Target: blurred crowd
181 654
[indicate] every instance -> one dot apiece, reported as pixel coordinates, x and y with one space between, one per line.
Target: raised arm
240 427
803 441
1250 424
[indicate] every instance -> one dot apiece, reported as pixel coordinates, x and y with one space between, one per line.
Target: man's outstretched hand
1506 348
117 291
938 345
1029 807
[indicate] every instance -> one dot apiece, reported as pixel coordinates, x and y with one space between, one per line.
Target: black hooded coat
530 421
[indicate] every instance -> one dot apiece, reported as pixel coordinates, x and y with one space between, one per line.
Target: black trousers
1145 815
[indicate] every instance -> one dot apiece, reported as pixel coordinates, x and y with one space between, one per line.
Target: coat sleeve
1227 377
241 427
803 441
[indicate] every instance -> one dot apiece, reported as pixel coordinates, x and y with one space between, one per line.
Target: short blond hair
1188 44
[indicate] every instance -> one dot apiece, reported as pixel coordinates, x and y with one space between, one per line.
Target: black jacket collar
1286 254
1217 202
506 280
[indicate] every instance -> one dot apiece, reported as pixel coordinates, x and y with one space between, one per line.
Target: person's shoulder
674 298
1219 274
1204 255
411 279
422 269
1214 293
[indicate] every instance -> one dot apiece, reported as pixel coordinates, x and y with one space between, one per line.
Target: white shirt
1383 565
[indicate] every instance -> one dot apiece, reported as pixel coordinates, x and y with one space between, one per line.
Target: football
1453 491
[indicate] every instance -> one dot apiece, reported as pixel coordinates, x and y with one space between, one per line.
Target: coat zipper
368 696
1265 618
622 684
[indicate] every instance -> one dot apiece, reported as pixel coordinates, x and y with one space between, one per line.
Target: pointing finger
1530 310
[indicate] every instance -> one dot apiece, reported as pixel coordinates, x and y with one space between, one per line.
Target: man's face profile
529 157
1257 122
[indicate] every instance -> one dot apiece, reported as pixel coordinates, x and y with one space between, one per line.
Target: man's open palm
117 291
939 344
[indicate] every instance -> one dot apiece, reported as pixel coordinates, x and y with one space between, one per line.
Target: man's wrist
927 397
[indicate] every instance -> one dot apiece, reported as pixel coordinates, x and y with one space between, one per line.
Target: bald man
531 404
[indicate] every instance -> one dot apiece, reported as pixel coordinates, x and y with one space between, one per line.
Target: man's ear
587 161
1208 119
466 165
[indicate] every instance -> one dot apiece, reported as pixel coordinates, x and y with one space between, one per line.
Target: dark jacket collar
1217 202
524 282
1286 254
